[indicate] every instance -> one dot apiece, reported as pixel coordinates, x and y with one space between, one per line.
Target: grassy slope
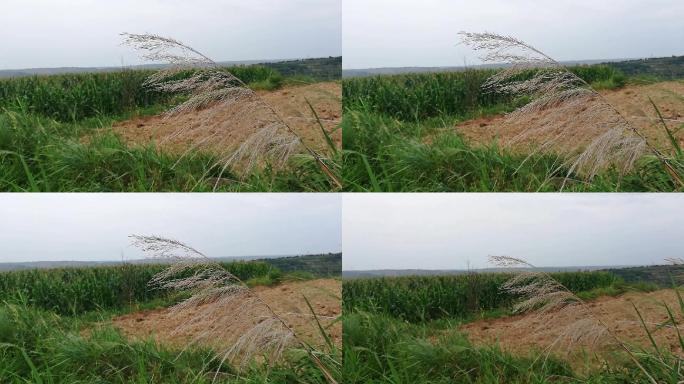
381 347
43 120
398 136
41 346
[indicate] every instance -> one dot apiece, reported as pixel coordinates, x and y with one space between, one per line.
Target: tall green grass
399 136
41 347
41 154
73 97
47 140
425 298
411 97
382 349
383 344
383 154
69 291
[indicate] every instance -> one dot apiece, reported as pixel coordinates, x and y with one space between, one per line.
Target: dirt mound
631 101
178 133
523 334
287 300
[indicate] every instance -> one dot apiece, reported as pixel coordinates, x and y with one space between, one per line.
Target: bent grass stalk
196 75
215 292
543 294
574 119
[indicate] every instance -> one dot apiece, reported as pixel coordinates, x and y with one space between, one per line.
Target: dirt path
285 299
522 334
290 102
631 101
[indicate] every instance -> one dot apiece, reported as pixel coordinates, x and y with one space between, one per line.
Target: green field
54 328
398 137
426 298
44 120
405 330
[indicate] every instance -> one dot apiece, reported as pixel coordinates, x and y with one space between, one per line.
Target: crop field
105 131
111 324
475 328
425 298
448 131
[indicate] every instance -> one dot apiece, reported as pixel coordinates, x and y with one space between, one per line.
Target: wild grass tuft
206 86
565 114
223 312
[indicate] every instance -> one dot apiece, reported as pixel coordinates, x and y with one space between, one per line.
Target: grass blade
328 139
670 135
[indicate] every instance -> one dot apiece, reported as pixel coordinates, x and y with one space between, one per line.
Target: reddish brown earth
524 334
631 101
286 299
229 121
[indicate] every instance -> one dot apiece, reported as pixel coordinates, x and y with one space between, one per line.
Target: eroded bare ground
632 101
286 299
289 102
525 334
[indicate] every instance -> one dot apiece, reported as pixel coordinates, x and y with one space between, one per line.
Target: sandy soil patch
524 333
289 102
287 300
631 101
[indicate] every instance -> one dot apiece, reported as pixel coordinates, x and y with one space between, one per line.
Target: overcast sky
454 231
85 33
39 227
398 33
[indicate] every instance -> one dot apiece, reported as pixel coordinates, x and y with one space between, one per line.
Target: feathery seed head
565 115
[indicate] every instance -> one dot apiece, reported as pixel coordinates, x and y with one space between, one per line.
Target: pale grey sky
85 33
50 227
399 33
454 231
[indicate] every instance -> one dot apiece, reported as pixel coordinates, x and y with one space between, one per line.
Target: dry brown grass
179 133
221 310
286 299
523 334
549 303
565 114
271 137
632 101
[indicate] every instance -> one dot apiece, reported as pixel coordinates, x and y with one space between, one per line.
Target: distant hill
319 68
365 72
320 265
666 68
661 275
322 69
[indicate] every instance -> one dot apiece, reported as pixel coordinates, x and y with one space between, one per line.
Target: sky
457 231
401 33
85 33
89 227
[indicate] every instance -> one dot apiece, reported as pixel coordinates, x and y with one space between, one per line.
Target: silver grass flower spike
222 311
207 86
540 294
565 114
